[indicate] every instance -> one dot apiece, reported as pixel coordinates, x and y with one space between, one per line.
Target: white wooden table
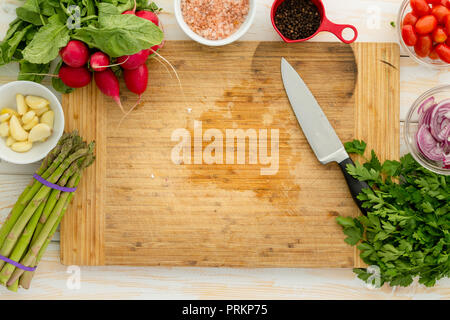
53 280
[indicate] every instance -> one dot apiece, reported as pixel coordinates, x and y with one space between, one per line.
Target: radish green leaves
118 35
46 43
43 27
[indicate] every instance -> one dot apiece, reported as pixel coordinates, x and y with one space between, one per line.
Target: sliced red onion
425 117
433 136
426 104
429 147
439 120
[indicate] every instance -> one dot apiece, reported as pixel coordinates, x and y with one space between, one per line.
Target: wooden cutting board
137 206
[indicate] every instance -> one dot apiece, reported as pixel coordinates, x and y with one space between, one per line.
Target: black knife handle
354 184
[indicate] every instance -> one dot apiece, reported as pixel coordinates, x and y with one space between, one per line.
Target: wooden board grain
138 207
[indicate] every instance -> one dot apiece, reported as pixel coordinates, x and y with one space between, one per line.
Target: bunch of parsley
406 232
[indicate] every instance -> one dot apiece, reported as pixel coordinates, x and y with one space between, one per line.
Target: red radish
133 61
148 15
131 11
136 79
75 77
99 61
157 47
109 85
75 54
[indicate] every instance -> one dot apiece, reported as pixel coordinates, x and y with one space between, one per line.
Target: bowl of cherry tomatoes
424 31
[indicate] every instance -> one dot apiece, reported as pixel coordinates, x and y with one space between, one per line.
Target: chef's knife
318 131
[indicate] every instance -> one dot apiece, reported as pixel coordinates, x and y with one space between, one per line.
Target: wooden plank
155 212
84 242
377 102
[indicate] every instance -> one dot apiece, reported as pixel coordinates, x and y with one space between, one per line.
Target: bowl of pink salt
215 22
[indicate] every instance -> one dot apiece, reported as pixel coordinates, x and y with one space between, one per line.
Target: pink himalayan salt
214 19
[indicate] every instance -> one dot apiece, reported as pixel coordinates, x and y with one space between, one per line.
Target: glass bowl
405 8
412 125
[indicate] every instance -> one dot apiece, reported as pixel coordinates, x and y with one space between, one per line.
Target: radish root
131 110
115 64
161 60
120 104
176 74
164 65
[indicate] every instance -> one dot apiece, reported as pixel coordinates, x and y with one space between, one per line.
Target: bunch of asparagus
35 217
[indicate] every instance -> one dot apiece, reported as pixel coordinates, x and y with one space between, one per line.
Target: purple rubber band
52 185
16 264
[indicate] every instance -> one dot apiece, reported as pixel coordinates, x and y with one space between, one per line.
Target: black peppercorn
297 19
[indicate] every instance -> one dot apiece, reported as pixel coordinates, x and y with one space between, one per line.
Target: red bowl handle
338 29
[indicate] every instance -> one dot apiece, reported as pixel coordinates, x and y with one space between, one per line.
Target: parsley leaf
406 231
355 146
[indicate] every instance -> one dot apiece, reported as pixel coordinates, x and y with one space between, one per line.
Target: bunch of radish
79 65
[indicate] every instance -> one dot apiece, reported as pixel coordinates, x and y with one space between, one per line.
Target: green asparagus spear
14 287
53 218
38 248
53 198
48 205
22 245
43 192
66 151
44 165
27 276
27 195
53 154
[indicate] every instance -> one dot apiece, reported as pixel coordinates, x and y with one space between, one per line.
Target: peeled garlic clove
39 132
48 118
27 117
10 141
23 146
40 112
10 111
31 124
17 132
36 102
22 108
4 129
5 117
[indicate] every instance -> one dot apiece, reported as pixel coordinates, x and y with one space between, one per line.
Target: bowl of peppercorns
302 20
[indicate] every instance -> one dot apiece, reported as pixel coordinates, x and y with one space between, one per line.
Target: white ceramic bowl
40 149
233 37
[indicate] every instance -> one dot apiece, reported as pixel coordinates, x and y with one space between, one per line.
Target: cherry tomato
439 35
426 24
440 12
433 54
448 42
420 7
446 3
409 35
410 18
443 51
423 46
447 24
434 1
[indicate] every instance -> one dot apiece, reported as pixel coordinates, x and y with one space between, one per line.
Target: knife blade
320 134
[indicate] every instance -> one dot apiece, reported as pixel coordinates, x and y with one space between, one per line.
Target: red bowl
325 24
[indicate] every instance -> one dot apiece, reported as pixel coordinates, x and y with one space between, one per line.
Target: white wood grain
210 283
372 18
